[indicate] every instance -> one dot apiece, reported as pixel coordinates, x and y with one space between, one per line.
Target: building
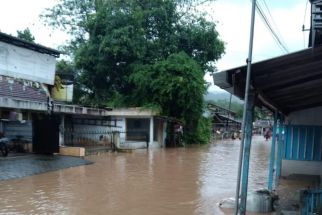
224 121
26 71
290 86
31 117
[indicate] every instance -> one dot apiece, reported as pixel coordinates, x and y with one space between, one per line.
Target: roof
19 89
225 119
214 107
28 45
287 83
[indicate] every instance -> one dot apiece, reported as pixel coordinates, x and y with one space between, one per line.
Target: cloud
232 18
18 15
233 25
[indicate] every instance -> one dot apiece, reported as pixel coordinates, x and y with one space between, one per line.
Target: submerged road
166 181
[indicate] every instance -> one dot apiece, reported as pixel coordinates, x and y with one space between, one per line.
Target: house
224 120
26 71
33 110
139 128
291 87
136 128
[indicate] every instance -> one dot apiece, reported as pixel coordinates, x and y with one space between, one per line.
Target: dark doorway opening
45 134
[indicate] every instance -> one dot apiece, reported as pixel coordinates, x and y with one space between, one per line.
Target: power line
268 25
270 28
274 23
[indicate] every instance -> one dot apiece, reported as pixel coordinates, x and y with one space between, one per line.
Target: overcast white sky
232 17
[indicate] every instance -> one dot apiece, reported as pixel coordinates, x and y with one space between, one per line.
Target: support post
246 106
279 148
246 154
151 131
272 160
62 131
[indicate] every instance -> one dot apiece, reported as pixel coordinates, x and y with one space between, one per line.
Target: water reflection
171 181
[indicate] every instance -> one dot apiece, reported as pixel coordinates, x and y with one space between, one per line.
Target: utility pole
241 152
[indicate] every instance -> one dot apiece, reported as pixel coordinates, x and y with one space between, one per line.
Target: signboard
26 64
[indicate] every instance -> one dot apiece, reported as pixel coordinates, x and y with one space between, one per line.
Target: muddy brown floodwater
165 181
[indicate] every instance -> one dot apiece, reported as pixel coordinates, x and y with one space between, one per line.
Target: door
45 134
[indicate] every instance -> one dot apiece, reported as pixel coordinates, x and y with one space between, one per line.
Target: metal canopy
288 83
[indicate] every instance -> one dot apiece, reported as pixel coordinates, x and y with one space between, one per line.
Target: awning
288 83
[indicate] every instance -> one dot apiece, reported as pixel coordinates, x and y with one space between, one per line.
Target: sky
232 18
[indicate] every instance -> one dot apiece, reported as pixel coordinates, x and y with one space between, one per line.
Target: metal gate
45 134
311 202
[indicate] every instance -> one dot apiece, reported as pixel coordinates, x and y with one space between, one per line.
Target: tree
26 35
174 85
131 44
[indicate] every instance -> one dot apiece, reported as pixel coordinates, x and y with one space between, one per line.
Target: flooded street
166 181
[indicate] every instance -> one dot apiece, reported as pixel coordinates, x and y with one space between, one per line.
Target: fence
90 135
101 137
303 143
311 202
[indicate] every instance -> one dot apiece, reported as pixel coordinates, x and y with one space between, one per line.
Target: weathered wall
301 167
312 116
120 124
26 64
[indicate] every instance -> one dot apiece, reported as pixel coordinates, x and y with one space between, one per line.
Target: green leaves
140 53
176 84
26 35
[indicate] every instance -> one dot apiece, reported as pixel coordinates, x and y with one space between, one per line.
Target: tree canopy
140 53
26 35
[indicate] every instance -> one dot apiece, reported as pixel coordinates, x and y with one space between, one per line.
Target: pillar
151 131
279 148
62 131
272 159
246 155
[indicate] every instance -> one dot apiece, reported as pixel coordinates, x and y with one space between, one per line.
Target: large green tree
141 53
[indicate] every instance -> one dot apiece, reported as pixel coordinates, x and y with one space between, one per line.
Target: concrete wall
26 64
301 167
120 123
132 112
312 116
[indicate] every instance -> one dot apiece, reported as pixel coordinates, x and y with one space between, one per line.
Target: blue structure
311 202
291 87
271 164
302 143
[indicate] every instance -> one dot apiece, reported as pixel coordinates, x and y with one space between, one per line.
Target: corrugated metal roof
289 83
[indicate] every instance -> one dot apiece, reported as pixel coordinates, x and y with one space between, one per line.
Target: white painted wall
26 64
301 167
312 116
120 122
